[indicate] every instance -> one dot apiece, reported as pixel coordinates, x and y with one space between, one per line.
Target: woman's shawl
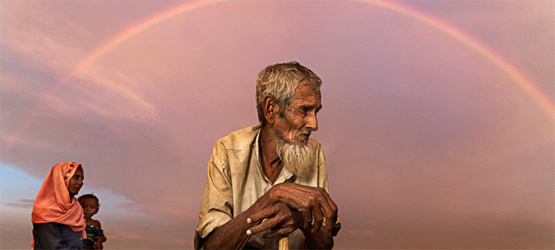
54 203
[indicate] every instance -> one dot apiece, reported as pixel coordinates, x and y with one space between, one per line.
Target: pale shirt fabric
236 181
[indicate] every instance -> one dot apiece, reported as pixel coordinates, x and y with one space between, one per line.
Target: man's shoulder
240 139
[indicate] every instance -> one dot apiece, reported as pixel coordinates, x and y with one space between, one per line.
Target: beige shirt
236 181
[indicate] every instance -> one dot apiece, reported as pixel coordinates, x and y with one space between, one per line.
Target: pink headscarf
54 203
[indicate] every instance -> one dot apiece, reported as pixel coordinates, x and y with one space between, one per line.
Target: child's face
90 207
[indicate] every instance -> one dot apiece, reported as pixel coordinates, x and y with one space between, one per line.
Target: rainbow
134 30
518 77
126 34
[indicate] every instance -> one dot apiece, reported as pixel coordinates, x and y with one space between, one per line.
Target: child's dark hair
89 196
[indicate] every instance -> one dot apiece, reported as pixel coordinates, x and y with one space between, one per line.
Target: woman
58 220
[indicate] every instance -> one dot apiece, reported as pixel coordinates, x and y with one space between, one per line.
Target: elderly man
270 180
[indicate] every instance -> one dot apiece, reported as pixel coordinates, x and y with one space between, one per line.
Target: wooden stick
284 243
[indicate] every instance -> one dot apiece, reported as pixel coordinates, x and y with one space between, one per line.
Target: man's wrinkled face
291 132
299 119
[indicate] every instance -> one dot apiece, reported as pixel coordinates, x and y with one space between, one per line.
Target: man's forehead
305 91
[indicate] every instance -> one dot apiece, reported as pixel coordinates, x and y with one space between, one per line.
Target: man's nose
312 122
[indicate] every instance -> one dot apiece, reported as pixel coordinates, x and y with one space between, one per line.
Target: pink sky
429 143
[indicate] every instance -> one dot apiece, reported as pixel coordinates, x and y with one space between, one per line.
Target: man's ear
270 109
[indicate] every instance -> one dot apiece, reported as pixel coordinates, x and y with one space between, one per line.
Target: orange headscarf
54 203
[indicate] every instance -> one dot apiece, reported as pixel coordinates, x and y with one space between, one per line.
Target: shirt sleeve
217 201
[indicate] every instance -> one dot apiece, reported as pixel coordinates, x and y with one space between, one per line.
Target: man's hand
280 220
314 203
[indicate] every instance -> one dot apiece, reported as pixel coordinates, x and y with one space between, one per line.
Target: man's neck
269 159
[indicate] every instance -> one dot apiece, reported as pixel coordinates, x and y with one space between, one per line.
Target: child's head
90 204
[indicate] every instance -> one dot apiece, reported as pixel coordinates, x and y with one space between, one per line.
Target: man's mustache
306 132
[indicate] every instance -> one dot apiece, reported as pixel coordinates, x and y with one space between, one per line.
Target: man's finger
265 225
333 206
330 216
326 204
307 215
318 218
262 214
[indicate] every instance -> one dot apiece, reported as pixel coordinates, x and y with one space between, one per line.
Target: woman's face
76 182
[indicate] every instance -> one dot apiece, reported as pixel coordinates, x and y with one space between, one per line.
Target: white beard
296 159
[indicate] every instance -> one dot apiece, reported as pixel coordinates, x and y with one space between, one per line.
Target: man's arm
231 235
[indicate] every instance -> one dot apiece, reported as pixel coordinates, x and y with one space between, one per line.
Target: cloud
103 92
21 203
27 30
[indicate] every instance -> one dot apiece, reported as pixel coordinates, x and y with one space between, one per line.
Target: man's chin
300 142
304 139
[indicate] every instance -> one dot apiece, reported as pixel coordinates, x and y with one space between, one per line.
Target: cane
284 243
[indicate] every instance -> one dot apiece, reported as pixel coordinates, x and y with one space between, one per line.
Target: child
95 235
57 218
